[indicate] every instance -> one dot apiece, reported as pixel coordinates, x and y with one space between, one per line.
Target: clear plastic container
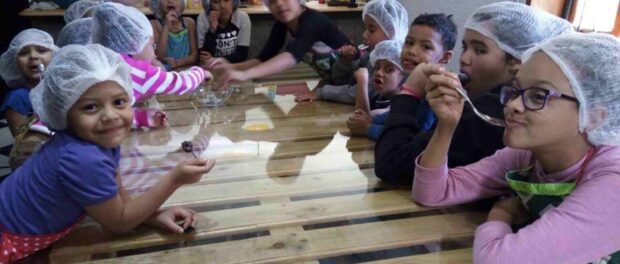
208 96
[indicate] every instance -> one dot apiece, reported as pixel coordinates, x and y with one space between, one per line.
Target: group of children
556 158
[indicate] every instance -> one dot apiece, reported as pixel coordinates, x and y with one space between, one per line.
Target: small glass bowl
208 96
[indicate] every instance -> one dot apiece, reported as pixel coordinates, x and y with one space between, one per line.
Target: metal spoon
41 68
491 120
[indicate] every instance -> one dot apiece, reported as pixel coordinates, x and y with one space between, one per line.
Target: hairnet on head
76 68
123 29
387 50
266 2
8 62
206 5
156 8
76 32
79 9
591 63
390 15
516 27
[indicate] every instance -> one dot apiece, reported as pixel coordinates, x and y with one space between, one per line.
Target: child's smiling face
373 34
422 45
28 59
386 78
102 115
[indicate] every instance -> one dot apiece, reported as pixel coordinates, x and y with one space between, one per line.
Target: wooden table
289 186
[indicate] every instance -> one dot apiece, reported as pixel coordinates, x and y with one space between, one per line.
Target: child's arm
120 216
160 36
361 98
193 49
149 80
279 63
14 119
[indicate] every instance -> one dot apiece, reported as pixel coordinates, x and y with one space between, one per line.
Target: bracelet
406 89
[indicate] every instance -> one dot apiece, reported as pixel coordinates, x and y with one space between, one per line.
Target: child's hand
168 219
510 211
214 17
230 76
171 61
309 96
359 123
172 19
218 64
205 56
361 75
159 118
190 171
348 52
444 99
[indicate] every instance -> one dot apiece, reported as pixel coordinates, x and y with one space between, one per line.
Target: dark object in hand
187 230
188 147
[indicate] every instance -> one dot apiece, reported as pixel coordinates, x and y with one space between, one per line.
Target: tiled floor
6 140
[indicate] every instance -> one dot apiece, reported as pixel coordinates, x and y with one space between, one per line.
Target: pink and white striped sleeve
149 80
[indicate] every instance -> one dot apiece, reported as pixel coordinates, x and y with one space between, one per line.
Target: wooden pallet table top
290 186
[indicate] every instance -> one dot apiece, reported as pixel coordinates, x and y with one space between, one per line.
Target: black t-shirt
402 140
316 33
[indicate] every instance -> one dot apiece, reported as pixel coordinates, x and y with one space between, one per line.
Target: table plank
322 243
457 256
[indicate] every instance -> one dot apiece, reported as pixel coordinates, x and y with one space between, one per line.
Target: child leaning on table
19 68
85 98
127 31
175 35
431 39
383 20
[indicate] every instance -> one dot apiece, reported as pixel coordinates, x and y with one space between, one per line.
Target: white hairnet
8 62
79 9
387 50
123 29
74 69
76 32
156 9
390 15
591 63
266 2
516 27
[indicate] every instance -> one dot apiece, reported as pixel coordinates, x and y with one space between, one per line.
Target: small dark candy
187 146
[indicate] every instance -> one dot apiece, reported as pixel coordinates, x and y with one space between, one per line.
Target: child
127 31
223 31
76 32
80 9
312 32
562 133
431 39
85 98
19 67
383 20
387 77
495 38
175 36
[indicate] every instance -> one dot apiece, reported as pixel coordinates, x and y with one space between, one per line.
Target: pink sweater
583 228
149 80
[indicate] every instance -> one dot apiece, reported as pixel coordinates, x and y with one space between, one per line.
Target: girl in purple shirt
85 97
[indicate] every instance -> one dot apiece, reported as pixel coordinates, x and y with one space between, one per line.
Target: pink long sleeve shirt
583 228
149 80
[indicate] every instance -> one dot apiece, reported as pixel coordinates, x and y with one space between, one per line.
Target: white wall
460 9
